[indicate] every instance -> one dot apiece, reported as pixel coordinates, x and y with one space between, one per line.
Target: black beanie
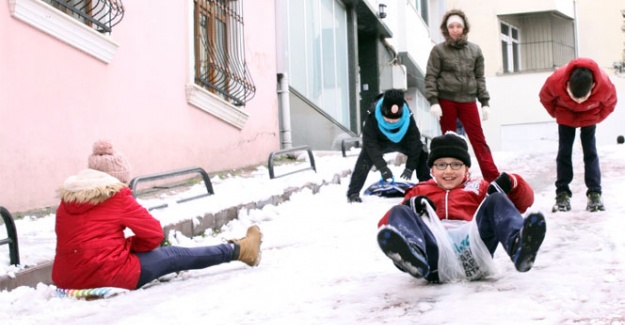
393 97
449 145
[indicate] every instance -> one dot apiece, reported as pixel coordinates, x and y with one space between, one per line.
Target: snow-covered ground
321 263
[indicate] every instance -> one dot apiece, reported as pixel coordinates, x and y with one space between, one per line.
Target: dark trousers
592 171
170 259
469 117
498 221
364 165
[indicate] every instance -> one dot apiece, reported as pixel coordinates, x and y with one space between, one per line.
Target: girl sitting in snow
91 248
447 228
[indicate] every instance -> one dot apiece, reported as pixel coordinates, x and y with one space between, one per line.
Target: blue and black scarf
393 131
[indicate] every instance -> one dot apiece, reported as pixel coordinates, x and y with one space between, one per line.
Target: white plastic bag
462 254
471 251
449 266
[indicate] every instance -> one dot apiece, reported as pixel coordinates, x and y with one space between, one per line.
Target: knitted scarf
393 131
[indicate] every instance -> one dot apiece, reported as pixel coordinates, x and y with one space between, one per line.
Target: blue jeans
592 171
170 259
498 221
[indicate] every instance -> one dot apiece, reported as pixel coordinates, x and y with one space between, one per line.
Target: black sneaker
594 202
528 242
405 256
563 202
351 198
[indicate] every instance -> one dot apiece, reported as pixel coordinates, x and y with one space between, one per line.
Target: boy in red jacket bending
578 95
448 228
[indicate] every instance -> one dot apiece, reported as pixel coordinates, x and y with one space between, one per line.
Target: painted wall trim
204 100
53 22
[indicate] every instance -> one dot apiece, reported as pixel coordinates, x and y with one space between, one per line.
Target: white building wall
413 36
565 7
599 27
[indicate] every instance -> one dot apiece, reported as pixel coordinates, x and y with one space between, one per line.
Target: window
100 15
220 66
422 8
536 41
318 55
510 48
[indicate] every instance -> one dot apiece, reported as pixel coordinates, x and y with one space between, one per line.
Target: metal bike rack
280 152
12 239
346 141
209 187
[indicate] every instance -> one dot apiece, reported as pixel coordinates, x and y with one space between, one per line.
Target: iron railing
220 61
538 56
100 15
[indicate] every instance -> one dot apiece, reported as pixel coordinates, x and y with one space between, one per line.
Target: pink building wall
56 100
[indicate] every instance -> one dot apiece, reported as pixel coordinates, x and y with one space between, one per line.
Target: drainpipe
575 29
284 107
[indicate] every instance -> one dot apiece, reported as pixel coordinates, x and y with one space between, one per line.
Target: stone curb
41 273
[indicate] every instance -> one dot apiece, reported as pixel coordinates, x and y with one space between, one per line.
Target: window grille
220 65
100 15
536 42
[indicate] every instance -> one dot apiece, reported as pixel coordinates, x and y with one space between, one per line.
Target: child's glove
417 204
387 174
436 110
407 174
503 184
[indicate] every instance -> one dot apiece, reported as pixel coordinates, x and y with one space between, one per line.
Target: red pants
470 119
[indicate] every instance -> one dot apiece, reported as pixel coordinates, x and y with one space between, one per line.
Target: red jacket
92 250
462 202
559 104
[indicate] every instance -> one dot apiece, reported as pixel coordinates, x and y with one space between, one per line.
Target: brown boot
247 249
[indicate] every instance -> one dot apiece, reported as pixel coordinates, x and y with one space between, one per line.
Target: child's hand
503 184
418 204
407 174
387 174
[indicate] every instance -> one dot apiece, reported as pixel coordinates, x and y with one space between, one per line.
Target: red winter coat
462 202
91 249
559 104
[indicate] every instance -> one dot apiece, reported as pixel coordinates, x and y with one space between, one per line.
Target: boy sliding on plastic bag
448 228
